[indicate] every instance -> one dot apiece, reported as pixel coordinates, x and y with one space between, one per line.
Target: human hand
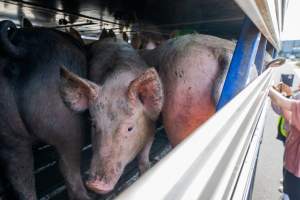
284 89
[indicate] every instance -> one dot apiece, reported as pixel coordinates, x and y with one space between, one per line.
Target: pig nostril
130 128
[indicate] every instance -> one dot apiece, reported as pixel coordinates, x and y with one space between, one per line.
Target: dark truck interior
221 18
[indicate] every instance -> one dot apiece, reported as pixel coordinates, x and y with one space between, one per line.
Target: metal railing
215 162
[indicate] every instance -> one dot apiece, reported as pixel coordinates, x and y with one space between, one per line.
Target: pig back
192 68
36 82
110 57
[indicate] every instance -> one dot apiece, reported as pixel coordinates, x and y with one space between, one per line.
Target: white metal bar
263 15
246 176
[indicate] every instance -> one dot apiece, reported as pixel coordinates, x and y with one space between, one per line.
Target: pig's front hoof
99 187
84 197
144 166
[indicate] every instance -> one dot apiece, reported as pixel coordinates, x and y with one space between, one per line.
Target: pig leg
143 158
70 167
18 161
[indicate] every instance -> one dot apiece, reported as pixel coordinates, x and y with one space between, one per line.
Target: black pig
31 107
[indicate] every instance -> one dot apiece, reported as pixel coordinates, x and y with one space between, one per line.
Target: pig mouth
99 186
103 184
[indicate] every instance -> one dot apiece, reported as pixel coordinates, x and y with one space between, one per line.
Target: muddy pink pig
191 68
124 98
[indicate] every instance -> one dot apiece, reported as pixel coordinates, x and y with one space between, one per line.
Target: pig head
123 111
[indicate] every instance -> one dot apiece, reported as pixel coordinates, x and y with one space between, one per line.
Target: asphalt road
269 166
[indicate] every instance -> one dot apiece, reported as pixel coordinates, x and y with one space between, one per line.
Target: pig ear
147 89
104 34
26 23
75 34
76 92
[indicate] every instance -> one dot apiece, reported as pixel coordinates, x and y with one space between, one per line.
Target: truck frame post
243 58
259 61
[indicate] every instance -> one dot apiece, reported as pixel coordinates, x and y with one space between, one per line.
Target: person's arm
276 108
289 107
287 116
284 103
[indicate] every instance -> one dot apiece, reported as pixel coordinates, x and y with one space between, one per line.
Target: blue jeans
291 185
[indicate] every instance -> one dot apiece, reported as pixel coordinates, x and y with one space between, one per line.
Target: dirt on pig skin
192 69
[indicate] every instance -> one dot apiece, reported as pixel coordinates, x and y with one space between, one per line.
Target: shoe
280 189
284 197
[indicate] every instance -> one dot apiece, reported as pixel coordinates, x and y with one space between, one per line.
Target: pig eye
130 129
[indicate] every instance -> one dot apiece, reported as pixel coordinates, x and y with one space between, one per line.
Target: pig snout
99 186
106 181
